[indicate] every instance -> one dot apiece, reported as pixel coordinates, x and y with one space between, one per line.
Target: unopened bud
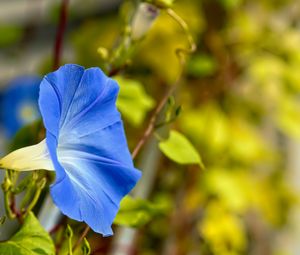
143 19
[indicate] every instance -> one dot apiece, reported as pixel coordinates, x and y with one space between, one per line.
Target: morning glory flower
85 145
18 103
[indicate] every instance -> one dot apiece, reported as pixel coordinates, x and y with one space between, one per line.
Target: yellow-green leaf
31 239
137 212
133 102
179 149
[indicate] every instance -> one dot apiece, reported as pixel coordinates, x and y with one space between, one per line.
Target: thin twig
83 235
152 121
60 33
192 47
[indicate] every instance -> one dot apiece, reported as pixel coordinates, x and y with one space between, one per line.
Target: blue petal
78 94
87 144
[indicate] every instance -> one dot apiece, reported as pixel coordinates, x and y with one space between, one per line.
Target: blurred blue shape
19 104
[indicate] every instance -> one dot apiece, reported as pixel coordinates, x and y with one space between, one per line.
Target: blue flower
18 103
85 144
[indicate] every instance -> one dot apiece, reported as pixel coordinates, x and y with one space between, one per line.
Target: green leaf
179 149
31 239
133 102
137 212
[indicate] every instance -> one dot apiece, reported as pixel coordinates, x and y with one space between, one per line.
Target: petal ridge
56 91
93 104
80 114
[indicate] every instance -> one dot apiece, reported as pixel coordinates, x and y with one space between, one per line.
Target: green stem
69 234
23 185
31 189
70 246
7 205
36 196
185 28
6 187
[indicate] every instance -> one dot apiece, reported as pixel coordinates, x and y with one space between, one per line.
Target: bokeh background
240 108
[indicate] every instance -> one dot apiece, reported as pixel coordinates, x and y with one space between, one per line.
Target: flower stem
41 184
30 190
82 236
60 33
8 196
7 204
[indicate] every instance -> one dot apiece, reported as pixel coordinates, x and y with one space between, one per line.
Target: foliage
133 102
180 150
31 239
137 212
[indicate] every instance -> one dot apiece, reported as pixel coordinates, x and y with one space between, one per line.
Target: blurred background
240 108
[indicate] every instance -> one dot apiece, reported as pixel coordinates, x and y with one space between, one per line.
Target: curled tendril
181 52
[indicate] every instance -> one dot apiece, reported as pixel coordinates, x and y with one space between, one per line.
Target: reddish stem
82 236
15 209
60 33
151 126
